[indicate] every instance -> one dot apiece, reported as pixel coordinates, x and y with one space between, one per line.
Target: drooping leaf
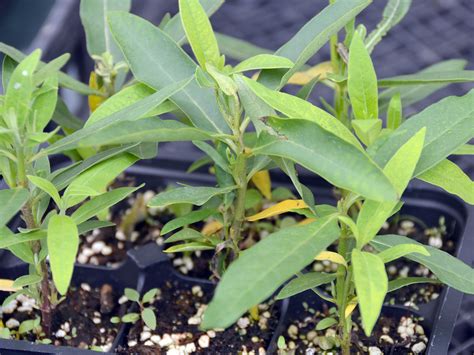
263 61
310 38
143 46
198 195
295 107
94 20
190 218
260 270
320 151
443 136
63 244
460 76
305 282
371 284
263 183
27 280
399 170
332 257
99 203
362 81
393 13
184 234
451 178
199 32
449 270
187 247
279 208
12 200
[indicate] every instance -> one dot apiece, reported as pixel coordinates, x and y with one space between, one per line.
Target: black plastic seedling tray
146 267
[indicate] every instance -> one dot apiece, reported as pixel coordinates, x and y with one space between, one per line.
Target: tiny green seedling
146 314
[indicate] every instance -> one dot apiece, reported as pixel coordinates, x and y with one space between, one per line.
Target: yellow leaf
7 285
279 208
306 221
211 227
263 183
350 307
331 256
254 313
304 77
94 100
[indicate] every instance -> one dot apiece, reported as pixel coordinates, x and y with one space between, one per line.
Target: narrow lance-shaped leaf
263 61
238 49
394 112
393 13
320 151
401 250
305 282
63 243
198 195
190 218
8 239
143 46
450 270
399 170
362 81
451 178
199 32
47 187
260 270
12 200
311 37
459 76
406 281
443 136
371 284
45 103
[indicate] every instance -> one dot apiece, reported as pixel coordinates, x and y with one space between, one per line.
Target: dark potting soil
391 335
179 310
82 320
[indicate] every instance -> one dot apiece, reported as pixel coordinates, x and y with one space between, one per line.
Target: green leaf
367 130
47 187
63 244
293 106
393 13
199 33
50 69
466 149
88 226
28 325
305 282
224 82
130 317
451 178
443 136
149 318
399 170
184 234
311 37
238 49
362 81
190 218
8 239
263 61
411 94
132 294
198 195
20 89
27 280
371 284
129 113
406 281
187 247
64 118
394 112
8 66
260 270
23 252
44 104
64 80
214 154
143 46
459 76
97 204
149 295
12 201
93 16
145 130
99 176
401 250
174 27
449 270
320 151
326 323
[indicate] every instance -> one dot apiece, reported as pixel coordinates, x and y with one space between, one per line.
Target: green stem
240 175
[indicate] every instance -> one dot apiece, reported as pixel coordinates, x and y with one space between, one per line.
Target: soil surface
82 320
179 310
392 335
